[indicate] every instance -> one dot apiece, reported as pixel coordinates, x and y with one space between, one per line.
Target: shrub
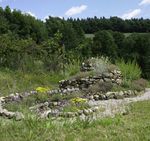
130 70
139 84
100 87
100 64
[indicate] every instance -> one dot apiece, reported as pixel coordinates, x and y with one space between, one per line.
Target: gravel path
112 107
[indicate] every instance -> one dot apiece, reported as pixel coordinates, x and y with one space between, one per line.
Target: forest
28 44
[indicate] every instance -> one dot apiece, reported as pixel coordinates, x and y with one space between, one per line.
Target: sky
41 9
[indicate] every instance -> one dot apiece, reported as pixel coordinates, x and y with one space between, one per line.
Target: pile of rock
114 77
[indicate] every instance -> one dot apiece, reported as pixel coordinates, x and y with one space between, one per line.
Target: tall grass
18 81
130 70
73 67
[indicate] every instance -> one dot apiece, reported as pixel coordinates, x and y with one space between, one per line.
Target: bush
130 70
139 84
100 87
100 64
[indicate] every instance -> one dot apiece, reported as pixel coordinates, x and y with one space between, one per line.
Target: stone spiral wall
114 76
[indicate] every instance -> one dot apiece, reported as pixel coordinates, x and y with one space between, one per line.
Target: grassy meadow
135 126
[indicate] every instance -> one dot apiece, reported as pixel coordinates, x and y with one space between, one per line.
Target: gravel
117 106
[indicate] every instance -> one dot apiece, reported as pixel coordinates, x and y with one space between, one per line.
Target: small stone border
113 95
48 112
5 113
55 113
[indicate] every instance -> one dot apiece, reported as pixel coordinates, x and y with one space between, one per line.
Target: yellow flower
78 100
41 89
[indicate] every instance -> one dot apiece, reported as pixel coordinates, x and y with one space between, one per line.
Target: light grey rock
107 80
80 112
55 103
33 92
69 114
18 116
91 97
45 114
95 109
119 81
106 75
96 97
86 112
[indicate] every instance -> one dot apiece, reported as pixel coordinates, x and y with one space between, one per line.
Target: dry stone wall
115 77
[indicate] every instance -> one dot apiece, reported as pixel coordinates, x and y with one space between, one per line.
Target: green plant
78 100
100 87
139 84
56 97
130 70
72 67
100 64
42 89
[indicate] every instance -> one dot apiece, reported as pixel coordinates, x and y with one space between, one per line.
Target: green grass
16 81
134 127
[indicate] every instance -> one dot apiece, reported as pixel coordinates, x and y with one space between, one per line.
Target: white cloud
5 0
76 10
29 13
47 17
131 14
144 2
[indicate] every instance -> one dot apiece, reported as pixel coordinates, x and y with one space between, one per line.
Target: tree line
28 43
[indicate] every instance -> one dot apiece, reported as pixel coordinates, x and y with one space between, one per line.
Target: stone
107 80
95 109
45 114
96 97
90 111
80 112
91 97
86 112
33 92
119 81
106 75
2 99
102 97
69 114
19 116
55 103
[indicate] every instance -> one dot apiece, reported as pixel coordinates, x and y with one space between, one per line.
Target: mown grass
134 127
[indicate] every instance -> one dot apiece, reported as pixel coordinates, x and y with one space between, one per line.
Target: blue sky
81 8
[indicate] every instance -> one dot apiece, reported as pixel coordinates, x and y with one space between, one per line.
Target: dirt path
112 107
